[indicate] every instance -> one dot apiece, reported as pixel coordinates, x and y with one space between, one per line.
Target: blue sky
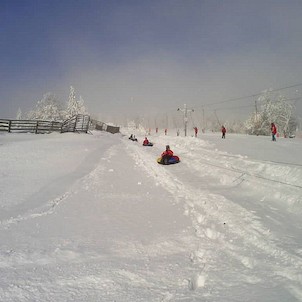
140 56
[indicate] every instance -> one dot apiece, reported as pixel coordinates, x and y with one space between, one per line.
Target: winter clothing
145 142
274 131
223 130
196 131
133 138
166 155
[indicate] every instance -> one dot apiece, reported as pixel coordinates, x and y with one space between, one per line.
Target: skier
274 131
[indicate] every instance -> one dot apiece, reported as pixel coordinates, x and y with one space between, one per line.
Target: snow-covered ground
95 218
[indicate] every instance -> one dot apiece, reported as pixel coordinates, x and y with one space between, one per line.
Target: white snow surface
94 217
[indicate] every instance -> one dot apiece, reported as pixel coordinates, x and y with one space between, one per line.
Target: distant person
166 131
223 131
274 131
133 138
146 141
166 155
195 131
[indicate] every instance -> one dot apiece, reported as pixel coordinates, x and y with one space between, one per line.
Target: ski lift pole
217 117
185 111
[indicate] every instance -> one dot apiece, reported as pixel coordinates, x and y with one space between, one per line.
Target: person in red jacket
146 141
223 131
166 155
274 131
195 131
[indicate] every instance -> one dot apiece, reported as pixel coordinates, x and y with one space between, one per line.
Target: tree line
50 108
269 108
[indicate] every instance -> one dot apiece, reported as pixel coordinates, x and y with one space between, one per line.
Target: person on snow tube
166 155
146 141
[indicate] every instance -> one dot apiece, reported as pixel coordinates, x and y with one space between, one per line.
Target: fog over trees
52 109
268 108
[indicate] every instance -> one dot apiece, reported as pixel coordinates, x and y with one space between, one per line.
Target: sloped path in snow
237 246
116 226
113 237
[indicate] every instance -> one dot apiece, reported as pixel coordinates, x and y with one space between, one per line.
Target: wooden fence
29 126
78 123
97 125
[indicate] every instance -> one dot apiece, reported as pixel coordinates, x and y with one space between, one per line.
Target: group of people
133 138
273 131
165 156
168 153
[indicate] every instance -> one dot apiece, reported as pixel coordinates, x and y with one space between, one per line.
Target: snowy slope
95 218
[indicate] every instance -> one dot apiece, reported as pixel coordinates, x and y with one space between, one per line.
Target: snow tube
173 160
148 145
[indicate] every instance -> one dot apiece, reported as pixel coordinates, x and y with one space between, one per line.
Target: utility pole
217 117
185 110
203 120
256 118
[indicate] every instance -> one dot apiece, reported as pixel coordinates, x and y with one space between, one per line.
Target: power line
236 107
250 96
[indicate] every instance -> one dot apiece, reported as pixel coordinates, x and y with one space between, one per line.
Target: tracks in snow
229 234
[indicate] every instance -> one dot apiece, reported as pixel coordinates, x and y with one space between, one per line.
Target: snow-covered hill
95 218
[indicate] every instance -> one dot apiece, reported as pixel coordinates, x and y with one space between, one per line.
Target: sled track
216 221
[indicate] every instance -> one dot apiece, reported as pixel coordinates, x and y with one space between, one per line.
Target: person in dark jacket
223 131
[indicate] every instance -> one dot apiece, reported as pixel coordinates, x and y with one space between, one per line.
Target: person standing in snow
196 131
223 131
274 131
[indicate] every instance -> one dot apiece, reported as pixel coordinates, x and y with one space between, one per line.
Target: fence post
88 123
75 123
9 125
37 125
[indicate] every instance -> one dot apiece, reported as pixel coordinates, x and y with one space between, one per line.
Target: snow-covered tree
48 108
82 109
272 109
74 106
19 114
